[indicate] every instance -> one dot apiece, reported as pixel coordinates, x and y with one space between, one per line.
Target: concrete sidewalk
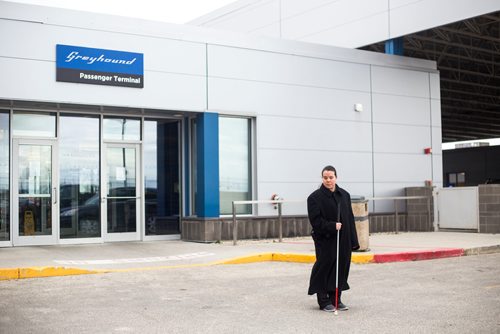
44 261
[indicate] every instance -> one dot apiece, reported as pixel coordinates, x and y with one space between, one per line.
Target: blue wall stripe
207 143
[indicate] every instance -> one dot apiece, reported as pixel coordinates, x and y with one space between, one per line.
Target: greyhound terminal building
121 129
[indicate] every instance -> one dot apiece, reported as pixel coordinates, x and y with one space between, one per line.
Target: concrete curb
356 257
35 272
482 250
418 255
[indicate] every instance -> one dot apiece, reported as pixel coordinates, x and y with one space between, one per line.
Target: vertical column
207 166
187 168
394 46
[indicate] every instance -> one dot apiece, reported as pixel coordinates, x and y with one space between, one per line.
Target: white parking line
138 260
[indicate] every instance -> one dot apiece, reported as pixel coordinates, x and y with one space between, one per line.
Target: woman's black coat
322 207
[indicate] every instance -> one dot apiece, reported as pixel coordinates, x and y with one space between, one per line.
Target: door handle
54 194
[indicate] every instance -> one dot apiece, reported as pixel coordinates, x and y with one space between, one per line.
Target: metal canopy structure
468 59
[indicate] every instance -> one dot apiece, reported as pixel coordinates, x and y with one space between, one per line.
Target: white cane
337 276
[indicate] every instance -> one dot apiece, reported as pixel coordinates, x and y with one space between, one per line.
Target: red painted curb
418 255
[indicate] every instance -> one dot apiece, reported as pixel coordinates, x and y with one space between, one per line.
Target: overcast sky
173 11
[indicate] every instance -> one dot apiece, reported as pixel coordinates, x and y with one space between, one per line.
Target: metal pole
235 229
407 202
429 209
396 215
280 222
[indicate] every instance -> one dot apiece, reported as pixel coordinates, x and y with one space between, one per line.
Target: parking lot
460 294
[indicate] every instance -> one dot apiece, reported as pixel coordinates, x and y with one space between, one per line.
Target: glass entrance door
121 202
35 192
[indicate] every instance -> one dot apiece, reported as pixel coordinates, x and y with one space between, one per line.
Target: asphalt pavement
450 295
61 260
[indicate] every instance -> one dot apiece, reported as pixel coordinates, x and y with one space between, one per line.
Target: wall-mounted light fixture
358 107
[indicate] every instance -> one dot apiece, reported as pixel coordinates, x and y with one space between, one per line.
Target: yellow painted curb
290 257
53 271
248 259
32 272
9 273
300 258
362 258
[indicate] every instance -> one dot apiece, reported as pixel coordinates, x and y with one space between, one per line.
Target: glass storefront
4 177
235 164
88 176
161 177
79 177
110 177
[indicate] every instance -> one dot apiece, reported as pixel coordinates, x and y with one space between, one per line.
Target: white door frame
121 236
39 240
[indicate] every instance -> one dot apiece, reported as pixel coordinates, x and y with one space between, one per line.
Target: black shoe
342 307
328 308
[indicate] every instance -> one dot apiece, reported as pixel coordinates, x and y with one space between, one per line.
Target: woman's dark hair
330 169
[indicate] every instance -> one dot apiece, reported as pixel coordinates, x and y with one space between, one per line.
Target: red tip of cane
336 298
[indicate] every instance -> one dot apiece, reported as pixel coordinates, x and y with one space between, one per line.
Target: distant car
88 211
87 215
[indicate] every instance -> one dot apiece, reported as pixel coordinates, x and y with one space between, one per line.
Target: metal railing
396 213
279 203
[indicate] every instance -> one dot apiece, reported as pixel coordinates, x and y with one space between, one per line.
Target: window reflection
234 164
122 215
35 216
121 129
35 169
35 185
79 177
161 176
34 125
4 178
121 181
121 171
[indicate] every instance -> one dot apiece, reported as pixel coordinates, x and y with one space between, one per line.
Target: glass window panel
35 185
121 171
234 164
121 129
4 178
34 125
121 182
121 215
161 177
35 217
35 169
79 177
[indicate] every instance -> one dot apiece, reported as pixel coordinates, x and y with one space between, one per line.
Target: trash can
360 210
